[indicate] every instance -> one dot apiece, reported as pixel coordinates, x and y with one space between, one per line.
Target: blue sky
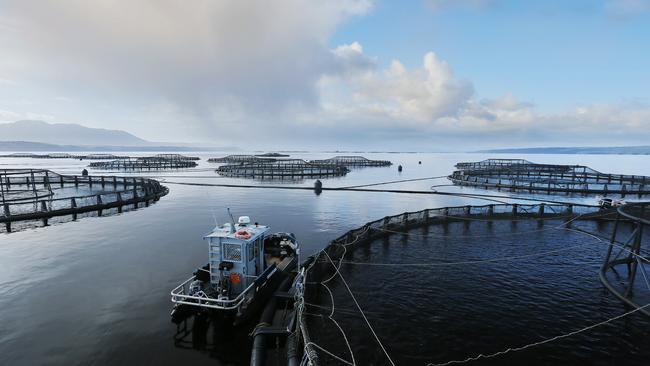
552 53
336 74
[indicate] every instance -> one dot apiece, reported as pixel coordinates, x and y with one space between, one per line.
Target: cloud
429 104
441 5
624 9
12 116
408 96
258 54
214 71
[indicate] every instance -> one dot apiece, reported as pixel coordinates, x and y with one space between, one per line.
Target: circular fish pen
471 283
523 175
281 169
273 155
30 196
236 159
352 161
65 156
157 162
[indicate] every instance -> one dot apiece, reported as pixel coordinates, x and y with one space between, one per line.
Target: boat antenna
214 217
231 218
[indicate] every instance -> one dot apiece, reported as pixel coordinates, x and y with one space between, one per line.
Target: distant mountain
621 150
66 134
25 146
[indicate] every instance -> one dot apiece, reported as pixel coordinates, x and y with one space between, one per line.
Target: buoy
84 172
399 168
318 186
420 162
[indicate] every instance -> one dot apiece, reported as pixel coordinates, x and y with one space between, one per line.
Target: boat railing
180 294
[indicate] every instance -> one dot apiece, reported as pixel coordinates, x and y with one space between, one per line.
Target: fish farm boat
247 264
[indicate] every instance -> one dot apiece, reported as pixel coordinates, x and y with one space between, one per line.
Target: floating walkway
523 175
352 161
157 162
28 195
281 169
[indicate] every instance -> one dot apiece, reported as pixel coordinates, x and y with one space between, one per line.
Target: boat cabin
236 253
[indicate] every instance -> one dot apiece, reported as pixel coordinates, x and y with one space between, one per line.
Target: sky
425 75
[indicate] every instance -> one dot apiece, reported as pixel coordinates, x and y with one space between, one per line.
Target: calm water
96 291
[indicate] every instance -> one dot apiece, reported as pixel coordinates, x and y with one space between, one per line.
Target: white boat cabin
237 253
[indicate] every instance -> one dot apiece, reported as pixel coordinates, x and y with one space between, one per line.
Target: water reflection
214 335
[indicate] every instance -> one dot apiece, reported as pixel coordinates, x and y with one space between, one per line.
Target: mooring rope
539 343
609 242
456 194
329 353
361 310
393 182
330 317
645 277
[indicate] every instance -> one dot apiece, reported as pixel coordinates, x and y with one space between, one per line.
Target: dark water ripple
438 314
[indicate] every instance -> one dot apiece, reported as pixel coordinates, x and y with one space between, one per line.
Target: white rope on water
361 310
329 353
539 343
330 317
394 182
609 242
645 276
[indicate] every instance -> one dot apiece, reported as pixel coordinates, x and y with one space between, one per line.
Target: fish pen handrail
628 252
65 156
112 192
240 159
523 175
157 162
281 168
320 265
351 161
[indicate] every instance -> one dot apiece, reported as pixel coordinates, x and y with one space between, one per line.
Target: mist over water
96 291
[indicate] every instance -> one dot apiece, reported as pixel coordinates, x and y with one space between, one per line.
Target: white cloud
623 9
440 5
406 96
168 70
263 55
11 116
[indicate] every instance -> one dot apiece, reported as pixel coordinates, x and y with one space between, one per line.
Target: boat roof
224 231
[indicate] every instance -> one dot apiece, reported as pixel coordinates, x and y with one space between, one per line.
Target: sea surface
96 291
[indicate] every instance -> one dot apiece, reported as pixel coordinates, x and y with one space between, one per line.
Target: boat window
251 250
232 252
